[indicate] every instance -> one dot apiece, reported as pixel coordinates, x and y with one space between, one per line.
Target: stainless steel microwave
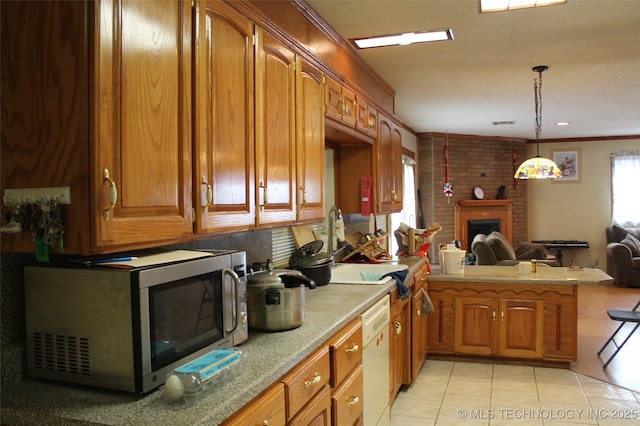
126 329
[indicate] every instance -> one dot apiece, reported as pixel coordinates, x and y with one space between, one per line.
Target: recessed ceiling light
562 123
403 39
500 5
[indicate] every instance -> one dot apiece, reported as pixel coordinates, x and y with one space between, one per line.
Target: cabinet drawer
266 409
305 380
317 412
347 401
346 352
420 277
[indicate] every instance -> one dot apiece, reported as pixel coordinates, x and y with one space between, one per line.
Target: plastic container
452 261
191 380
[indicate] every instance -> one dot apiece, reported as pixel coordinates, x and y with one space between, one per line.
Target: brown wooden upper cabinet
340 102
366 117
388 165
260 148
223 164
171 120
142 116
310 144
275 131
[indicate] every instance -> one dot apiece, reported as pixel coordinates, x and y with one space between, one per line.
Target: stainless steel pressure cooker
275 299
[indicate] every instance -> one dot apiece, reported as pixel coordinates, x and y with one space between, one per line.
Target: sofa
623 255
495 249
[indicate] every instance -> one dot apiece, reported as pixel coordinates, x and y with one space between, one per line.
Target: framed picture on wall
569 162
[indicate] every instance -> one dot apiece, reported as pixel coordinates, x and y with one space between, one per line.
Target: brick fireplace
482 216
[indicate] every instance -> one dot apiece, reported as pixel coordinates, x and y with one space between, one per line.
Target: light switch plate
61 194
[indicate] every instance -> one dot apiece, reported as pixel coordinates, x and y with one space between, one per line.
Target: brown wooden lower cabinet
522 321
400 344
503 327
419 324
347 400
267 409
408 329
316 412
326 388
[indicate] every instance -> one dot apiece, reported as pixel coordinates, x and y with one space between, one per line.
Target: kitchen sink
367 274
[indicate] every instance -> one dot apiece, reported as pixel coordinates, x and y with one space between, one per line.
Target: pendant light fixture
538 167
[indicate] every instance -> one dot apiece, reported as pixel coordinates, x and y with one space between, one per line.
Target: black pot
319 272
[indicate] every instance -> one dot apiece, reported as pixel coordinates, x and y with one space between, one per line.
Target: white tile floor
462 393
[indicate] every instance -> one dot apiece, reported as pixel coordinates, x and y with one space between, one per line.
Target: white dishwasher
375 363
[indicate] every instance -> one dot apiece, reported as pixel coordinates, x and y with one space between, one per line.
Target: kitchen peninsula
494 312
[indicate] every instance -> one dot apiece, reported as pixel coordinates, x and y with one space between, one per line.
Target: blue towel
399 276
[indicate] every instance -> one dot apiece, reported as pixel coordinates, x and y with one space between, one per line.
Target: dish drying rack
369 248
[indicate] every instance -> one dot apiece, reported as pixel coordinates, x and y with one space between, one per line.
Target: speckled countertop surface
509 274
268 356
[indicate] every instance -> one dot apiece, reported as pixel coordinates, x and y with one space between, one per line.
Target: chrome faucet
334 214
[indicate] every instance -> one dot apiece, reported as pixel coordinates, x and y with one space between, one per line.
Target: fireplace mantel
466 210
484 203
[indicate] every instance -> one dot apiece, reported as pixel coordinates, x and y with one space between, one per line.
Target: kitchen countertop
267 357
509 274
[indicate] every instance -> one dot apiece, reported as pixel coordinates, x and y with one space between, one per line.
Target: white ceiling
592 48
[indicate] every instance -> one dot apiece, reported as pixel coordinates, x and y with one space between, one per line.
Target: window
625 179
408 214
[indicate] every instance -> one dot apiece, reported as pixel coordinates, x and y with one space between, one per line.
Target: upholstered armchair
623 255
495 249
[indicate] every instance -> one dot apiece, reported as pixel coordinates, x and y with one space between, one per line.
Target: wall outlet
61 194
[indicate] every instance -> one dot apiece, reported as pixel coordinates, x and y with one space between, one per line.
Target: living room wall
542 210
577 210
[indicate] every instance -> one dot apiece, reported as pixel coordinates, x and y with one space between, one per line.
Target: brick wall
473 161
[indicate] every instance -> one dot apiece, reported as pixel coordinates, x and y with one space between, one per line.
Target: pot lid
264 278
303 255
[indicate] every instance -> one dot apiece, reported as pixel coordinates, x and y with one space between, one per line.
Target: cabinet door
366 117
275 132
388 165
348 107
267 409
441 323
347 400
340 102
561 324
400 344
333 98
419 330
475 330
224 116
310 145
142 122
520 328
317 412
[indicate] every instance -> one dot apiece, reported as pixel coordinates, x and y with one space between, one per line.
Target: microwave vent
61 354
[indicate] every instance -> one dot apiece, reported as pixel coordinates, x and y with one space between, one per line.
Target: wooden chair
633 317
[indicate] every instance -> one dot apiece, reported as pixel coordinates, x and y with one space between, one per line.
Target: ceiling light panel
403 39
501 5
